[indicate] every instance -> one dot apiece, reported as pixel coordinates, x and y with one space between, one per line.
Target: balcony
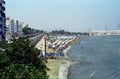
0 33
3 14
0 3
5 27
1 18
3 1
1 11
3 8
1 25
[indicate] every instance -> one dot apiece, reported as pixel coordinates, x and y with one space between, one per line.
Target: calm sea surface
97 57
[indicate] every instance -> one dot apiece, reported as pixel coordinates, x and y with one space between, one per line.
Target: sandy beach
64 68
59 67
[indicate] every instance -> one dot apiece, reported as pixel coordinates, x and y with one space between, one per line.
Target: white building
14 28
8 29
18 28
104 32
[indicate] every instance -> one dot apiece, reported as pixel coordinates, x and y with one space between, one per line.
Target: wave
63 70
92 74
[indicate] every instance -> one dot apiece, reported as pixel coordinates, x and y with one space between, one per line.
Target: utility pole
45 38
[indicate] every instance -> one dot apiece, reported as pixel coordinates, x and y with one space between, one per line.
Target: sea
97 58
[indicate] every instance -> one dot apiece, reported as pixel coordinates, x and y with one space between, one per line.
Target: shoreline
64 68
59 67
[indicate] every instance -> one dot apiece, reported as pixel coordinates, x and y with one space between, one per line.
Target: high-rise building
17 26
2 21
8 25
20 29
12 25
8 29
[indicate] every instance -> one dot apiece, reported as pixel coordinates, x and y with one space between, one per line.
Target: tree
27 30
20 61
3 44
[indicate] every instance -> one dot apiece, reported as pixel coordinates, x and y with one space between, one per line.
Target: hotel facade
2 21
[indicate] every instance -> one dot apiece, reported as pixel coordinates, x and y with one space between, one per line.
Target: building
2 21
12 26
8 29
104 32
17 25
18 28
8 25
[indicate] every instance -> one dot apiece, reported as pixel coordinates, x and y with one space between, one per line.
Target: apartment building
2 21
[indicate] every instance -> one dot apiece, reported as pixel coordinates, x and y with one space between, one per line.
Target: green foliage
20 71
20 61
63 32
3 44
27 30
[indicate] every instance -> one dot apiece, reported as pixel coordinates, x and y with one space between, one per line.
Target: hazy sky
70 15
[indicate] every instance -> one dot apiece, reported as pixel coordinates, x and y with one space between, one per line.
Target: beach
58 67
64 68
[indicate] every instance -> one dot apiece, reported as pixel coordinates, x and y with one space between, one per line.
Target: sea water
97 57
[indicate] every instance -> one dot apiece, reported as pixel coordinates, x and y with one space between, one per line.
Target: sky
70 15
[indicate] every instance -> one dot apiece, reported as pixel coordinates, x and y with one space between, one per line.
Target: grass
53 65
